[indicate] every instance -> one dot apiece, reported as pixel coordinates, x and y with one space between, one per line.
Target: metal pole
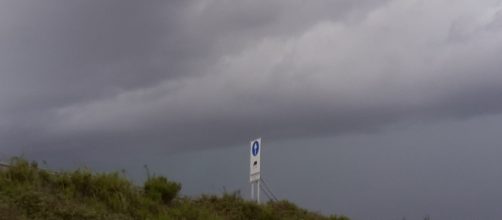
258 193
252 190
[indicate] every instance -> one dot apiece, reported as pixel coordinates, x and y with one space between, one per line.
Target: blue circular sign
256 148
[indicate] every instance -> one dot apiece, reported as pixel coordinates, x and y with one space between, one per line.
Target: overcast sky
81 80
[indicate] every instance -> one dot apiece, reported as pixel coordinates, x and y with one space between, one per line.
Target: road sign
254 161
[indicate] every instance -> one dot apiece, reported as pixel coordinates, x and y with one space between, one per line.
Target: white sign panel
254 166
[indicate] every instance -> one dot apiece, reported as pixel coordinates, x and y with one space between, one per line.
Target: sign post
254 167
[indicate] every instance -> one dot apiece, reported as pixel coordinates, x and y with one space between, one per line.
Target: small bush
21 171
160 189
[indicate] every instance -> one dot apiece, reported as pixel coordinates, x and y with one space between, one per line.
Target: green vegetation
27 192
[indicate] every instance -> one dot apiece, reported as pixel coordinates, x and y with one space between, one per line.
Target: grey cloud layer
190 74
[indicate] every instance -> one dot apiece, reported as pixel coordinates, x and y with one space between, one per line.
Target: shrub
161 189
21 171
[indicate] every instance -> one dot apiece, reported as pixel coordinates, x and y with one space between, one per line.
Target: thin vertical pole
258 192
252 190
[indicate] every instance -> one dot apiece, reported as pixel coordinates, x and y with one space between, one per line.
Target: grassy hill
28 192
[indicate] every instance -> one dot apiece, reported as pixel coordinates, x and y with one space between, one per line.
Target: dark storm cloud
82 49
175 75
